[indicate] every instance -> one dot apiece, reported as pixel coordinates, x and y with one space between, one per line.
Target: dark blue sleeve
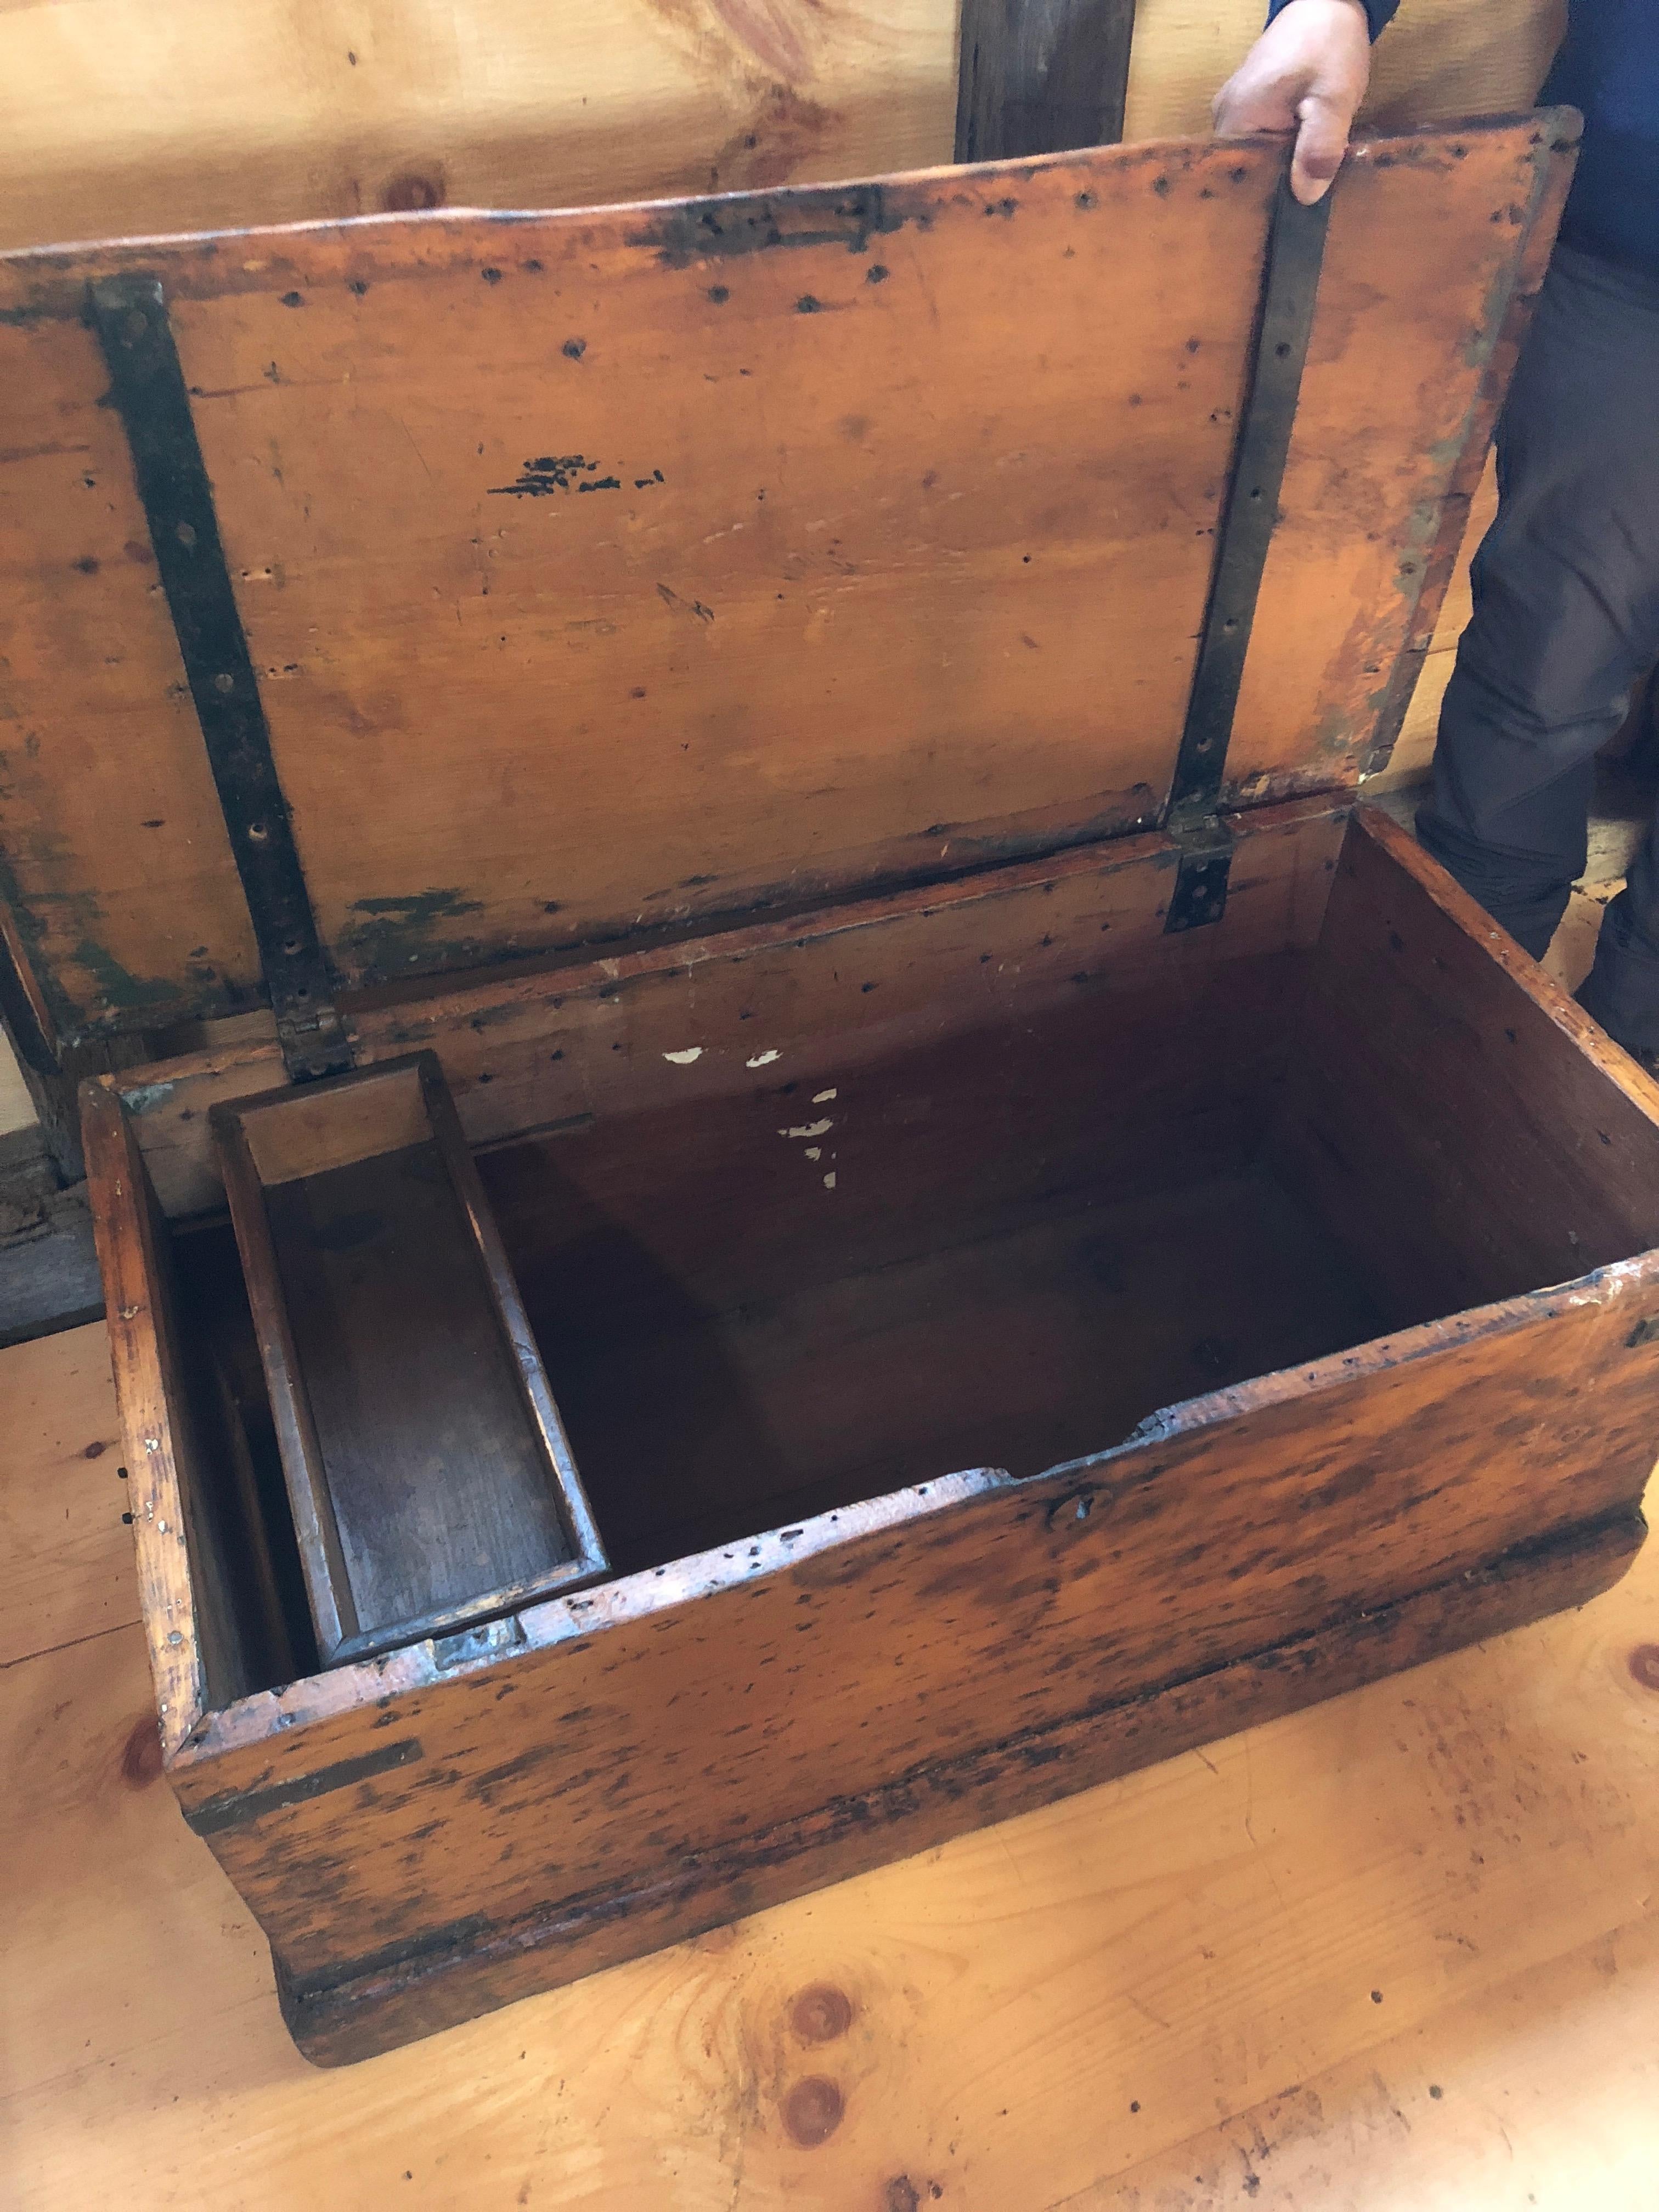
1380 13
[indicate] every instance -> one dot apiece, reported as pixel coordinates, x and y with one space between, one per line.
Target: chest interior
1003 1246
823 1250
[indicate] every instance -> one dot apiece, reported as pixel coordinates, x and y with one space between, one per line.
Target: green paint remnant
66 1017
59 920
1335 734
122 992
148 1096
1500 287
1477 344
397 934
1417 544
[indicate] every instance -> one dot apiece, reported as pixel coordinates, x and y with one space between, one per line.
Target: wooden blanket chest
828 723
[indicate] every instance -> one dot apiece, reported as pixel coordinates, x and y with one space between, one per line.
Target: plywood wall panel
133 116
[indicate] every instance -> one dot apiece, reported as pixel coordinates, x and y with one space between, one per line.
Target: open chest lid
603 573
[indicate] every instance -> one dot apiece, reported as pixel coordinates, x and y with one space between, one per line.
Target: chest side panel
639 1736
1529 1151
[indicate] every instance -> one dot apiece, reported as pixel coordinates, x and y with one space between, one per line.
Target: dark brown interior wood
426 1465
1456 1126
232 1406
1021 1350
438 1482
1005 1249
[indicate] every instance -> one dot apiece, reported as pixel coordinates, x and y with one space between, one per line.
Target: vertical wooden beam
1041 76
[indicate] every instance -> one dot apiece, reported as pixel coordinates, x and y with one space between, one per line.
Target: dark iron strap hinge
130 315
1290 291
1204 860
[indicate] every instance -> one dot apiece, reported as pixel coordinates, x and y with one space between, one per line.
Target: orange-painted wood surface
797 544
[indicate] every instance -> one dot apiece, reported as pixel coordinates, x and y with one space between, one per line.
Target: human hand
1306 73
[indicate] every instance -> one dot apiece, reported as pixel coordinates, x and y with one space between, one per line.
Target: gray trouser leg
1566 623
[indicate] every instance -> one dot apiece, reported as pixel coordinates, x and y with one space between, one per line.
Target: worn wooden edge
1609 1060
495 1608
1427 1341
49 282
253 1722
322 1556
481 1968
129 1266
588 1559
171 1099
1505 326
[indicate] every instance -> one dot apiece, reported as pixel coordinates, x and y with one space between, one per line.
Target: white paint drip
685 1058
815 1151
762 1060
829 1180
809 1128
823 1097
